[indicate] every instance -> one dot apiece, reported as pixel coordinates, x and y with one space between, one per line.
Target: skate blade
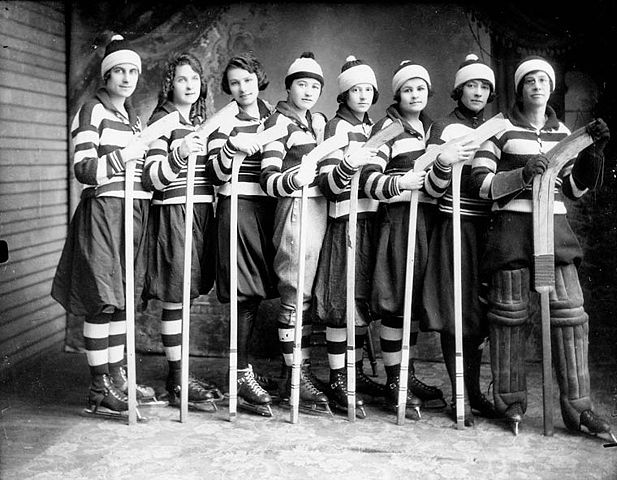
152 402
434 404
261 410
411 413
317 409
360 411
514 426
111 414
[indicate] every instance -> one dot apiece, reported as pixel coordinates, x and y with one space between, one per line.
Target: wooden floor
44 436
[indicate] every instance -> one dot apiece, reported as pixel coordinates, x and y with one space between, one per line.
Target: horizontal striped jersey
281 158
165 171
99 132
396 157
508 151
221 153
438 181
335 173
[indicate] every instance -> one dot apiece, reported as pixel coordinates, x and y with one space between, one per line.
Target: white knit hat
304 67
406 71
533 64
473 69
117 53
354 72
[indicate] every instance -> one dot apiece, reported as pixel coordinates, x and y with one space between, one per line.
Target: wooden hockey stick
147 136
485 131
129 293
544 250
319 152
263 138
186 287
457 169
391 131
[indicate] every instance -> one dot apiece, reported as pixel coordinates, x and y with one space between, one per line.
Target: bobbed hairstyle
457 93
245 61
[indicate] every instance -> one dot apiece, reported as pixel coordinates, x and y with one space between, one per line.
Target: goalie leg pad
570 341
509 314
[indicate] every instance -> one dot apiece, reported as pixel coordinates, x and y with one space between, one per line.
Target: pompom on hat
355 72
473 69
406 71
533 64
304 67
118 52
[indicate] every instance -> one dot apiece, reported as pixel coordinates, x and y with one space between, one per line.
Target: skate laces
113 390
308 382
249 379
196 386
415 381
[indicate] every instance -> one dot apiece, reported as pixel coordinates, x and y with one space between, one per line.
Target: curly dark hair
245 61
198 109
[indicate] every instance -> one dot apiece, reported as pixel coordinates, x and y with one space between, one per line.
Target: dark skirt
388 294
438 289
509 243
256 277
331 279
90 273
165 276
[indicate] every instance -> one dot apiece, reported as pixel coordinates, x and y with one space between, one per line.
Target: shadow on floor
44 436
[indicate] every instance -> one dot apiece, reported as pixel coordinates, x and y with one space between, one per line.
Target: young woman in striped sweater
502 171
283 174
474 87
89 280
243 79
357 87
390 180
184 90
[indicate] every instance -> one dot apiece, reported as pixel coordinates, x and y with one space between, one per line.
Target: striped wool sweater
335 173
221 153
504 155
438 181
165 171
281 158
396 157
99 132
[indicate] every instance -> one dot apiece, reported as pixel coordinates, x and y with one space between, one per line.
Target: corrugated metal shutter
33 175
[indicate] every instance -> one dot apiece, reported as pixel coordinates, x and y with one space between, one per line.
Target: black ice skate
146 396
367 386
412 407
199 398
593 424
483 406
514 416
337 393
251 396
106 400
312 399
269 385
432 397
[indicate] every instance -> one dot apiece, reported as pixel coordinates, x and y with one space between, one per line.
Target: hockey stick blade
160 128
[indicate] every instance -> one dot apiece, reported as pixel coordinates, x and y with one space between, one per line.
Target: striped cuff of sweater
176 159
115 160
441 170
345 170
393 188
228 149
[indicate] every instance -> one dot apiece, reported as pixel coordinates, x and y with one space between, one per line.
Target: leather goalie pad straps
569 335
509 315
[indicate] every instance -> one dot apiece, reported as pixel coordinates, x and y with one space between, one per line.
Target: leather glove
599 131
536 165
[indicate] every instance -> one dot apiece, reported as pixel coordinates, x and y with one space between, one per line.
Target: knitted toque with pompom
473 69
354 72
304 67
118 52
407 70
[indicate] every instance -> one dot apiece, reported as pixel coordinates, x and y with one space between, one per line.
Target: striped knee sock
391 339
171 334
96 342
336 346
